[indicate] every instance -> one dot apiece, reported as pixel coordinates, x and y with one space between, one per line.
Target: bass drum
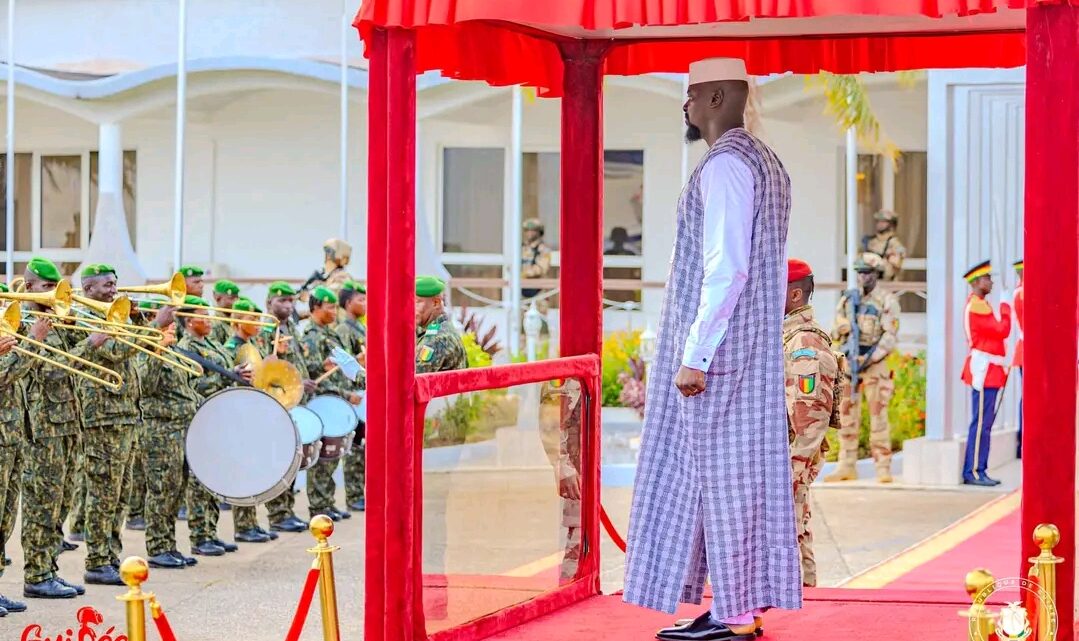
338 425
243 446
309 425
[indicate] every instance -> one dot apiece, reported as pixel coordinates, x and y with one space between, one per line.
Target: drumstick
327 374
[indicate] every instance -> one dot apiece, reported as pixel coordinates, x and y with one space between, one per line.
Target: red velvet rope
611 532
164 630
304 605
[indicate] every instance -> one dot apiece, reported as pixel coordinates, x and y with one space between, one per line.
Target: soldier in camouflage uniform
878 326
560 417
438 345
13 368
535 260
203 507
245 523
885 244
319 340
336 255
812 377
52 448
285 343
226 294
353 334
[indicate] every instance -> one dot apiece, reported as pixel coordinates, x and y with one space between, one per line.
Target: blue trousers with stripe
983 413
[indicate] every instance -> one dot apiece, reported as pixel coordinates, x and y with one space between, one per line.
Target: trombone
60 300
9 324
175 290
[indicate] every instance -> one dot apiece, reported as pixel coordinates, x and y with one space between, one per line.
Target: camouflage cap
869 262
887 216
44 268
533 224
324 295
191 270
97 269
226 287
429 286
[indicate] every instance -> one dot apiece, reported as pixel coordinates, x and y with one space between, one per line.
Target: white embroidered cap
714 69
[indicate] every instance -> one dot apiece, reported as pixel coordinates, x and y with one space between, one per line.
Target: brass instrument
280 379
248 354
17 284
175 290
9 324
226 319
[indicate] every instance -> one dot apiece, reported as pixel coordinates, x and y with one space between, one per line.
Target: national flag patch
807 383
426 354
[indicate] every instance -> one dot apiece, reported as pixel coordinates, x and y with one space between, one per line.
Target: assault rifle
851 347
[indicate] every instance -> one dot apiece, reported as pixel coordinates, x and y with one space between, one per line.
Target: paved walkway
504 524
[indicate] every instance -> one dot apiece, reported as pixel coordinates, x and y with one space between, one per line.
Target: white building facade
263 163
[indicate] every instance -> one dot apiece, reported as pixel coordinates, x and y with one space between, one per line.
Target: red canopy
516 41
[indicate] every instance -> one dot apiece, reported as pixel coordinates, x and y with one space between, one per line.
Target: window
541 184
129 193
472 200
23 201
61 202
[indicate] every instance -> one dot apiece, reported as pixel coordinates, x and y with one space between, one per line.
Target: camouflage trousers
571 556
877 385
135 487
163 447
281 506
321 486
47 471
203 511
107 451
355 473
807 460
244 518
12 458
75 494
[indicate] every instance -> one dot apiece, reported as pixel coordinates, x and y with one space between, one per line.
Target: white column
9 164
110 159
852 205
181 117
344 121
516 196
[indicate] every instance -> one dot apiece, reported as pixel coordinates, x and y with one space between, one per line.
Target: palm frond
847 99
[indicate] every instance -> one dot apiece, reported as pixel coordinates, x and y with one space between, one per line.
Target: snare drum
243 446
309 425
338 425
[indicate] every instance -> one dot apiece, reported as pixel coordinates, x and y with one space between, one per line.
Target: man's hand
570 488
7 343
169 337
97 340
309 386
362 356
328 364
354 398
863 361
165 316
40 329
282 345
245 372
689 381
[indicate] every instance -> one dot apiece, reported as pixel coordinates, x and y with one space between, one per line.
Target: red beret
797 269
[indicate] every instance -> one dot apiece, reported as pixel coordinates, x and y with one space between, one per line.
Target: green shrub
618 348
477 356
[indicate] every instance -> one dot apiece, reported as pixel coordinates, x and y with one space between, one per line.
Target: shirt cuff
699 356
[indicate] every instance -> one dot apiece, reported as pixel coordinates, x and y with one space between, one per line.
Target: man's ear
717 98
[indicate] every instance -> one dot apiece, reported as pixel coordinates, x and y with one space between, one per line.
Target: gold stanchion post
134 571
1046 536
322 528
981 620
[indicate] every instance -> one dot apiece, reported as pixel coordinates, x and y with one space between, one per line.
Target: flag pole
181 117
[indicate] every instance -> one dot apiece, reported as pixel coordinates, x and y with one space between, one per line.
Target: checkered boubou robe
712 497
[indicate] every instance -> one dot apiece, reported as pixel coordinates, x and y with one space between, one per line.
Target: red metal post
377 381
581 246
1051 288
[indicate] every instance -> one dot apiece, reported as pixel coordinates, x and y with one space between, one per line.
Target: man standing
877 317
52 449
712 499
812 384
285 344
438 345
885 244
13 368
319 340
1017 360
353 333
985 369
225 294
535 254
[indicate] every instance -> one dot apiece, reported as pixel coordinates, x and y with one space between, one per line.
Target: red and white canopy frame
564 48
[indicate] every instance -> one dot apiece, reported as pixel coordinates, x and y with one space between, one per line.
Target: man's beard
693 132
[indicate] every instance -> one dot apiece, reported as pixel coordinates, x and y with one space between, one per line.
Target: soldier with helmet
535 255
876 314
334 273
886 244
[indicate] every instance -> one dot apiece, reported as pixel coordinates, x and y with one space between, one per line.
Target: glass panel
472 200
478 293
20 268
501 490
61 201
622 273
911 203
130 169
541 192
23 201
623 199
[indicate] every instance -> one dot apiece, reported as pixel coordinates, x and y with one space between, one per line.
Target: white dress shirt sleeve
727 188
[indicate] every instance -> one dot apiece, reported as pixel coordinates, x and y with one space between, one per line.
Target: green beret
324 295
226 287
97 269
4 288
352 285
44 268
245 305
190 270
195 301
429 286
149 304
280 288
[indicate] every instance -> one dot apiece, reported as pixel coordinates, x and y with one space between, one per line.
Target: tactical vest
841 368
